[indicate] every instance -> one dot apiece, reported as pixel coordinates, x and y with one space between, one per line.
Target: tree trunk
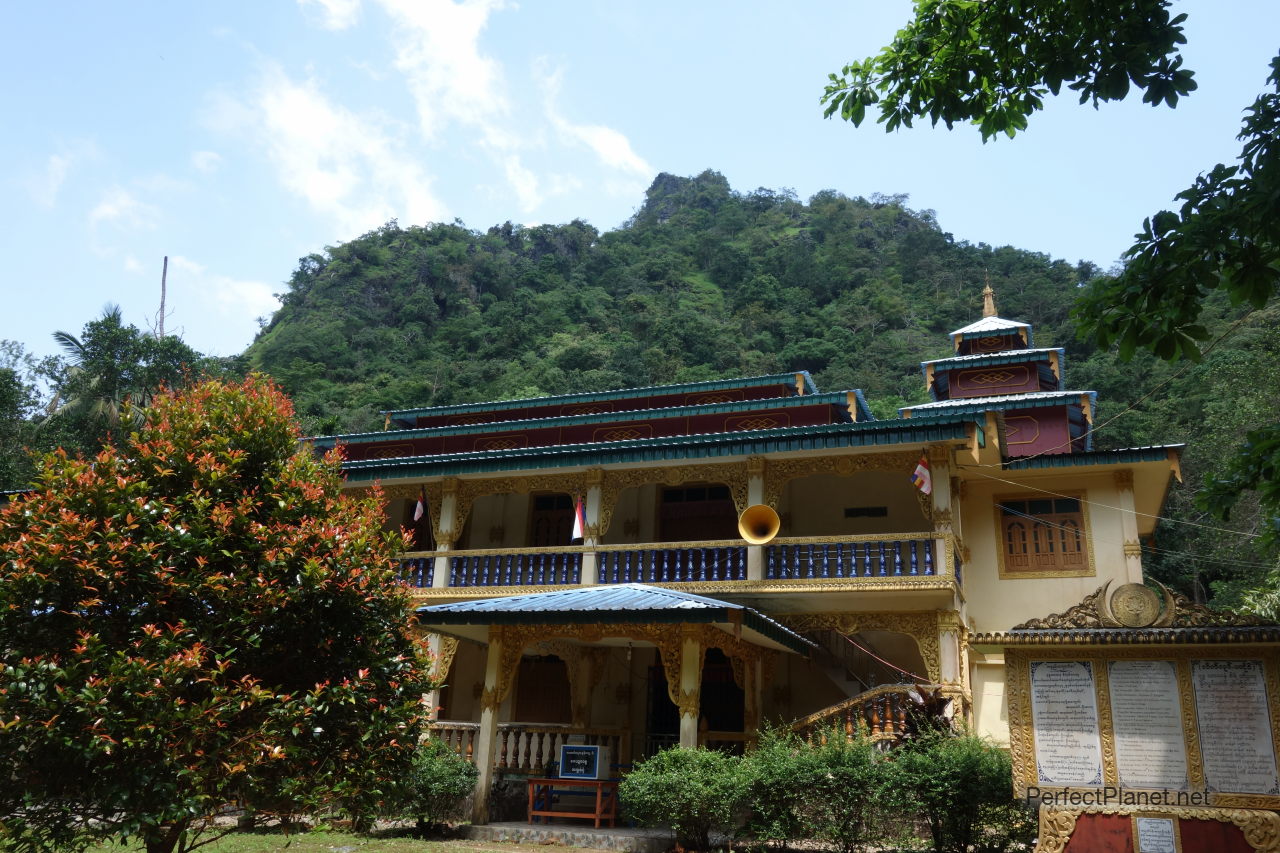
164 838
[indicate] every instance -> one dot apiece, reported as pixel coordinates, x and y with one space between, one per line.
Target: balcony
859 560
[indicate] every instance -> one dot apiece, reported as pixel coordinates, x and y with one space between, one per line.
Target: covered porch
580 655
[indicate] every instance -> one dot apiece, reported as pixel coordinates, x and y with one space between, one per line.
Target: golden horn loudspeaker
758 524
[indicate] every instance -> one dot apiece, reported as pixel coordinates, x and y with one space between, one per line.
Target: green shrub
779 772
846 805
437 786
831 792
962 787
693 791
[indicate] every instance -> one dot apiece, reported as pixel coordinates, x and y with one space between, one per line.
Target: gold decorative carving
1097 610
1261 829
1132 548
1135 606
514 639
939 457
690 702
942 520
615 482
468 490
921 626
400 491
1018 697
780 472
444 659
1123 479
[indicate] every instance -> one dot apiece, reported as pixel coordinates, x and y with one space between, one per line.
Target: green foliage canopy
194 620
993 63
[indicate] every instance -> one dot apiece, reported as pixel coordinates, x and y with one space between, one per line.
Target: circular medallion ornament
1135 606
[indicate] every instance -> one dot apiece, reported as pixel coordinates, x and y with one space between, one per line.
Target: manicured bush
694 792
832 790
779 773
961 786
438 785
846 804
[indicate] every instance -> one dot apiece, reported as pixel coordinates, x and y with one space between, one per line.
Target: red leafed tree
195 620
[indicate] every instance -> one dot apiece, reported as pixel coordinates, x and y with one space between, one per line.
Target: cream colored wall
990 712
606 711
798 688
815 506
465 673
507 514
996 604
638 505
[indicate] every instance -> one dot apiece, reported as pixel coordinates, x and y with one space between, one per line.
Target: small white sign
1156 835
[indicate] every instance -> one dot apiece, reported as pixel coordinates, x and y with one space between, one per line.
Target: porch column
487 736
1129 526
445 534
436 647
949 669
753 691
944 522
591 534
690 690
755 495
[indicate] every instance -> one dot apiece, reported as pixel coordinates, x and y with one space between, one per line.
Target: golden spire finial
988 298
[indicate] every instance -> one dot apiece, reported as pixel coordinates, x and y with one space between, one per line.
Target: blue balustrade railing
542 568
891 558
417 571
673 565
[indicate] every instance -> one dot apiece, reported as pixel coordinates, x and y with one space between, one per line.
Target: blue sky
236 137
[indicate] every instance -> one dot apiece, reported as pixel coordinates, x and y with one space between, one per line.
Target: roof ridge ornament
1134 605
988 297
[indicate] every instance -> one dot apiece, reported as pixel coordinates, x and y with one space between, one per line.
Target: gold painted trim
926 584
781 471
1022 743
1177 829
1008 574
922 626
1261 829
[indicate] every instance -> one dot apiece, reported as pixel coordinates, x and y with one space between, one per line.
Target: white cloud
335 14
132 264
350 167
611 146
44 186
206 161
201 296
438 51
120 208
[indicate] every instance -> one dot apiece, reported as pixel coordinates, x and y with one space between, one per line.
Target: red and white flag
922 478
579 521
421 509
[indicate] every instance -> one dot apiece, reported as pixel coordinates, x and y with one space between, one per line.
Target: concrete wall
814 506
997 604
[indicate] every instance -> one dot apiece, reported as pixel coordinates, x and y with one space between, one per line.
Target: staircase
881 713
852 669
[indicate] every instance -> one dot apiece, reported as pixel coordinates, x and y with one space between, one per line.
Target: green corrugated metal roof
1126 456
612 603
837 399
921 430
1006 357
588 396
1033 400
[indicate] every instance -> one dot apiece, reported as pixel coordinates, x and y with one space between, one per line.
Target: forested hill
703 282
